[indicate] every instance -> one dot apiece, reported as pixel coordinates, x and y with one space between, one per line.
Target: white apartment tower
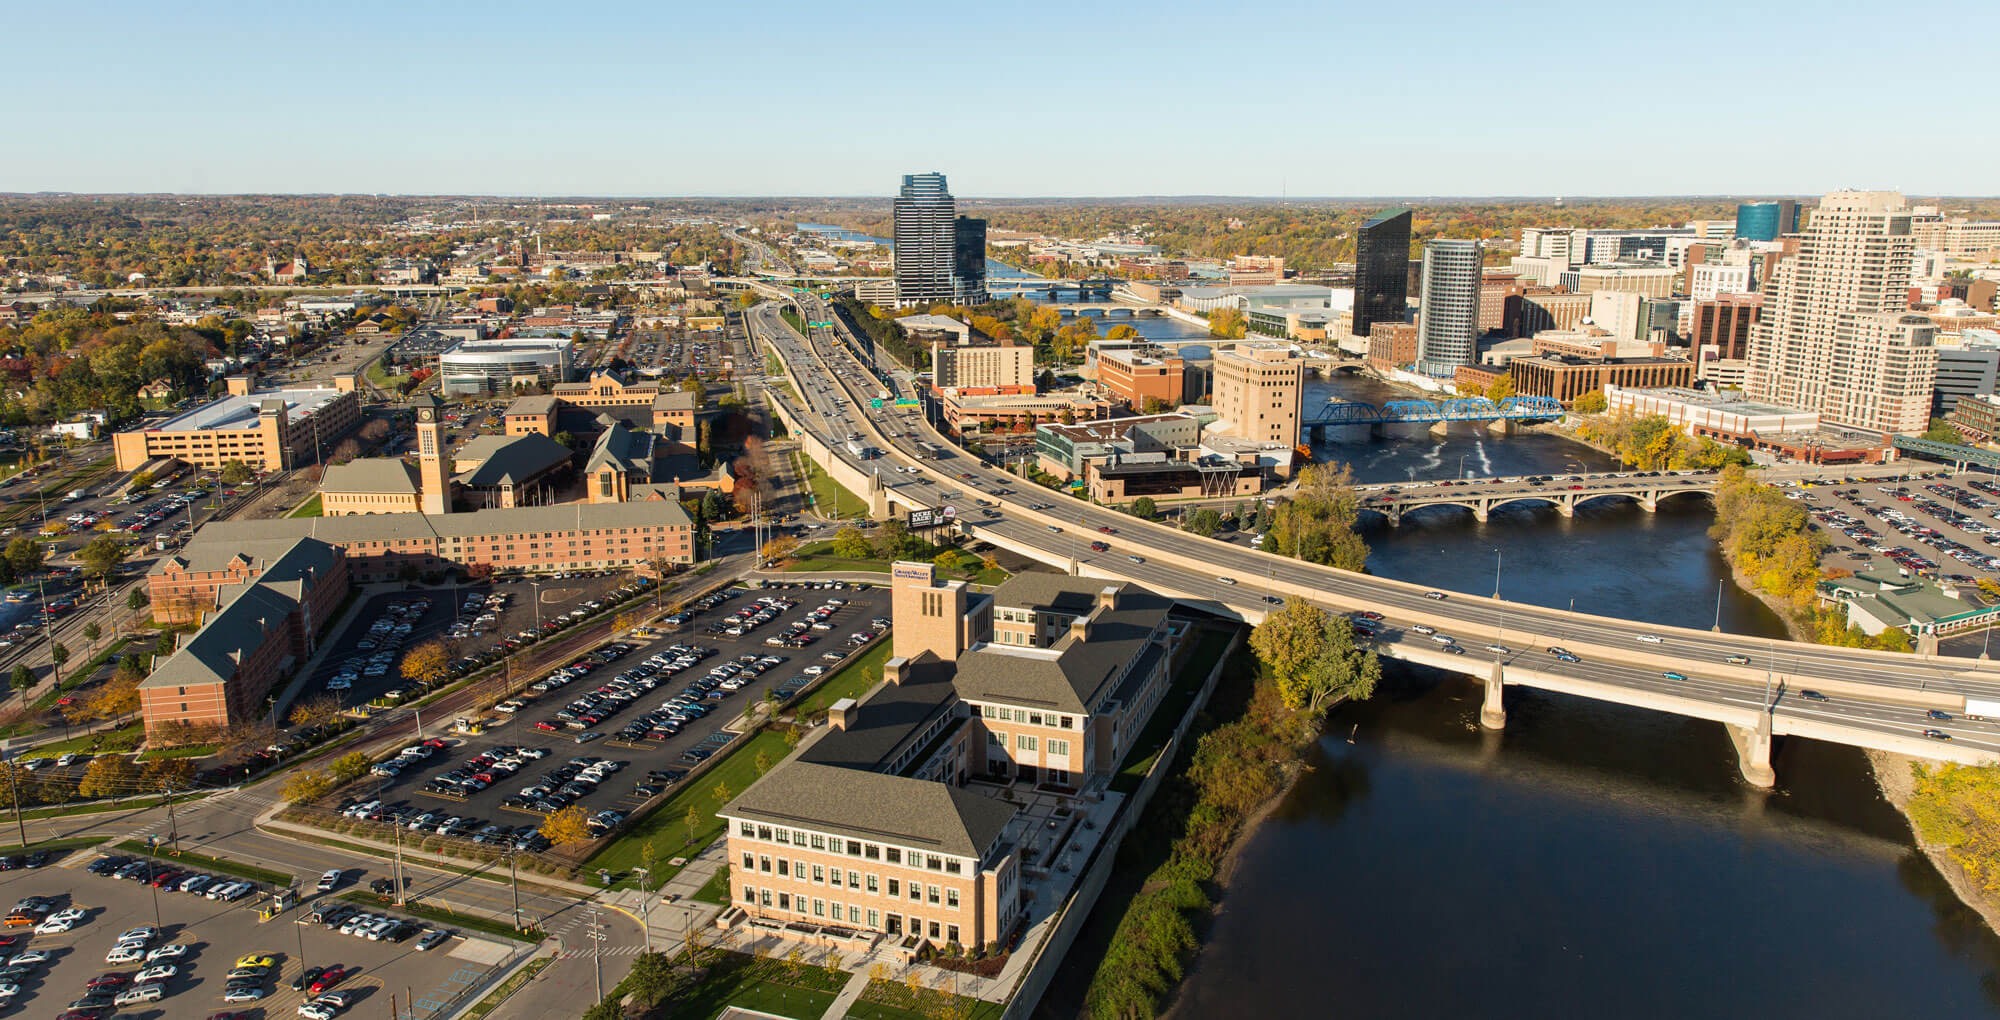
1836 335
1448 312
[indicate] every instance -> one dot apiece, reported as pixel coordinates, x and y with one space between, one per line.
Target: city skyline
786 105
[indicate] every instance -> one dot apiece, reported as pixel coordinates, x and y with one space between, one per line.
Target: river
1590 859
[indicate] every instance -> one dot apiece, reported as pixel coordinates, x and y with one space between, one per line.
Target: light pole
646 910
14 790
1718 606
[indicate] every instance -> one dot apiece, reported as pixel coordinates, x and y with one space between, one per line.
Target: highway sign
875 402
908 402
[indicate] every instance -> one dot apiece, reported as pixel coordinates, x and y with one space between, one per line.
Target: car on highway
1811 695
1674 674
1499 649
1563 654
1436 595
1651 639
1737 660
1225 580
1423 628
1938 714
1136 558
1937 734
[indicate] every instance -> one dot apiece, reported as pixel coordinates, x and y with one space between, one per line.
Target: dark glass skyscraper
1382 270
968 274
940 257
1766 221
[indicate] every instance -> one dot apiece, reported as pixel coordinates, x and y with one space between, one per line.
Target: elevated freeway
1755 687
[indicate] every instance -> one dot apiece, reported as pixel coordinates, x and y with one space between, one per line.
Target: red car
331 977
1099 546
1107 529
547 727
103 981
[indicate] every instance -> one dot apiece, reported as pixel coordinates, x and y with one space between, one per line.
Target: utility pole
14 790
596 933
646 908
397 832
514 878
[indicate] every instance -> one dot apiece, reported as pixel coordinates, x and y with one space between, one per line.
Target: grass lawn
190 751
101 806
830 498
309 508
1187 683
56 844
383 379
716 889
854 678
124 738
769 986
207 863
893 1000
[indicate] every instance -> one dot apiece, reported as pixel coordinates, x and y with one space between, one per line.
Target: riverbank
1898 786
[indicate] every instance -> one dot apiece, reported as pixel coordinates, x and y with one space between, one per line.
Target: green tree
1312 656
91 632
349 767
25 555
235 472
136 599
22 677
1203 522
1941 431
101 556
850 544
893 539
1145 507
59 652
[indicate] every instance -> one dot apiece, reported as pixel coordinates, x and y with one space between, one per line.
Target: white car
31 956
126 952
1651 639
168 952
157 972
143 933
56 924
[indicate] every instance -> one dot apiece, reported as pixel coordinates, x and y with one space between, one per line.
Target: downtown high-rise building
1835 335
1448 308
1382 270
1766 221
934 262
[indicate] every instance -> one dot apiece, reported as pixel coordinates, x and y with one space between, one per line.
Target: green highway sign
875 402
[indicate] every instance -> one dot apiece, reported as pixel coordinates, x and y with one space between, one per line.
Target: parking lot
1935 526
597 732
473 618
215 935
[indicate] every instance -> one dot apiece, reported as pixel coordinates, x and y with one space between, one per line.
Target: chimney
840 715
239 385
892 670
1079 628
1107 597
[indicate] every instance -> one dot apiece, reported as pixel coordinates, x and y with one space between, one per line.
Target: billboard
922 519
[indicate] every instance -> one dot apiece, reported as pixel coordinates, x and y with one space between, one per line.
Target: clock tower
433 456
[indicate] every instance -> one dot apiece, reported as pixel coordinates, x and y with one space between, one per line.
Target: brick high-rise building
1258 387
1835 335
1725 322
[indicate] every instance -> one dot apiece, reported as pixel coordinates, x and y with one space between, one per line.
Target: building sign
906 571
922 519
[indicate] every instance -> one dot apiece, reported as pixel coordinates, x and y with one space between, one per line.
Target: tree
91 632
1203 522
115 698
693 821
25 555
567 827
317 710
1122 331
101 556
1501 389
780 548
893 540
1941 431
1228 324
427 663
1311 656
850 544
1590 403
304 785
59 652
136 600
722 793
349 767
22 679
110 775
164 774
1145 507
235 472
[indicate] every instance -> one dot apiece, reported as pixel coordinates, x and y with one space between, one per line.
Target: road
831 382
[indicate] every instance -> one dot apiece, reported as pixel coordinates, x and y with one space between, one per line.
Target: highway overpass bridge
1753 686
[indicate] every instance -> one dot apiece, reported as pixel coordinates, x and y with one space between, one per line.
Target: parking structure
620 725
188 944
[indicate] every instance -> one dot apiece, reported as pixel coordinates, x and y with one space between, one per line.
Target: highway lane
1686 650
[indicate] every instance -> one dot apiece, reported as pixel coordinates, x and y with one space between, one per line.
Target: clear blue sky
674 98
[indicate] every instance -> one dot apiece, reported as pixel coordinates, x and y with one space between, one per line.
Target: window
782 865
1023 742
951 935
746 830
784 901
749 862
853 913
819 874
819 908
916 892
871 884
951 867
1058 748
951 900
933 893
893 855
764 864
785 837
818 842
833 875
895 887
874 919
853 879
764 897
749 895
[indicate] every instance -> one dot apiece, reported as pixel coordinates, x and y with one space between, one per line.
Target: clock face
424 414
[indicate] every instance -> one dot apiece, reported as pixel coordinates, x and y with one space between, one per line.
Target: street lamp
646 909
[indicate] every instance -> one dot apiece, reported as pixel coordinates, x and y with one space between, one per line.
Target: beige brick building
270 430
1258 387
890 821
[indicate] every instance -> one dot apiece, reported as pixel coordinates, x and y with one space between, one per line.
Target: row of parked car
168 878
564 785
443 823
483 770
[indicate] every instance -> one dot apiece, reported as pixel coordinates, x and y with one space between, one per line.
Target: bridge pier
1479 512
1566 506
1493 710
1927 643
1500 427
1440 429
1753 752
1650 502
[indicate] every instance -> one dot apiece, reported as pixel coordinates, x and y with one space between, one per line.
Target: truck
1982 709
862 450
75 495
